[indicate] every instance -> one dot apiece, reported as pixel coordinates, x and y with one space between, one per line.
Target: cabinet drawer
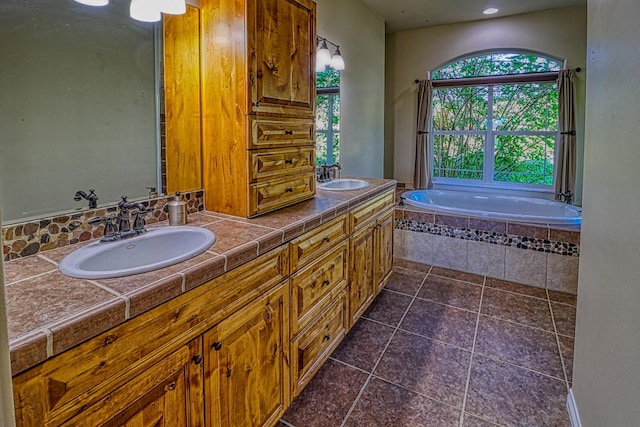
314 345
361 215
315 283
316 242
280 132
277 162
272 194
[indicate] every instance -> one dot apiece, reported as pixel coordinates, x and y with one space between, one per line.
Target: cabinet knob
288 132
289 161
216 346
197 359
259 74
289 190
325 283
327 239
326 338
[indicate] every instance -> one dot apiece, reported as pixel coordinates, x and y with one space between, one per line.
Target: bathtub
494 206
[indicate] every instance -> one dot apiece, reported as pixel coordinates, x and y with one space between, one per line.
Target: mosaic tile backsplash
496 238
29 238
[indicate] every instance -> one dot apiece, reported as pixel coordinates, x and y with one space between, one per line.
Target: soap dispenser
177 211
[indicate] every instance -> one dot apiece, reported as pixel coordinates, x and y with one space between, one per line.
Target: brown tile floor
444 348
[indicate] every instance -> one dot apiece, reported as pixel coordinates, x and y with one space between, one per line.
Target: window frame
332 92
490 134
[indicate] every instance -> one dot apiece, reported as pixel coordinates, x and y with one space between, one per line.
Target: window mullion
489 142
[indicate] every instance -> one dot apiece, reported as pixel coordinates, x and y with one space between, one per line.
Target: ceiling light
490 11
94 2
172 7
145 10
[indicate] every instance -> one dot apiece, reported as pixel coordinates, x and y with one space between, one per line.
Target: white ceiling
402 15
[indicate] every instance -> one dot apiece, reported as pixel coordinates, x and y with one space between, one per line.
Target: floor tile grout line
518 323
375 365
555 328
473 349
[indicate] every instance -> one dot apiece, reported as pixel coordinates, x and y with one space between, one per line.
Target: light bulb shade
94 2
337 62
323 56
320 67
173 7
145 10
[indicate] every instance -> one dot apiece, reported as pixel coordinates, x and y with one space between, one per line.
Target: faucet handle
97 220
139 222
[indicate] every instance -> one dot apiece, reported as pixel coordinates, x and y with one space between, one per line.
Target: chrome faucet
566 197
323 172
118 227
92 197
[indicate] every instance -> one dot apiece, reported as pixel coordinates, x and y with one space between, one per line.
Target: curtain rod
472 81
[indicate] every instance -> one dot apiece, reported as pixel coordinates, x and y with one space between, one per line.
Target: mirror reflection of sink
344 184
160 247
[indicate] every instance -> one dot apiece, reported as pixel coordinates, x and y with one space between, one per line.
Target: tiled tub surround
544 256
32 237
50 313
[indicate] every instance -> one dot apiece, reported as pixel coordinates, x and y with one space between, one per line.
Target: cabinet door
361 274
169 393
383 250
282 63
246 364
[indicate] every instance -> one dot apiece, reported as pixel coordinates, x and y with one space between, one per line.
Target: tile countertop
49 313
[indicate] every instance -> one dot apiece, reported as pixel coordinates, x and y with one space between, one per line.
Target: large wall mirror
78 105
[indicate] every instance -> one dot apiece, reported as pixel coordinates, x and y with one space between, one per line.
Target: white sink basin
344 185
155 249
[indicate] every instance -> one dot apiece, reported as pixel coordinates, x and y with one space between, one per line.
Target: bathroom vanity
228 338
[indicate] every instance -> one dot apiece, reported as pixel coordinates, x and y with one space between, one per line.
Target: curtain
566 167
422 173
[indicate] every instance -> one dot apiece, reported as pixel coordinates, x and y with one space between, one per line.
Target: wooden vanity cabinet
246 361
319 298
258 97
169 393
371 252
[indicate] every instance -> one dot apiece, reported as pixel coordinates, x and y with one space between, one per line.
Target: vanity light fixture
490 11
324 58
173 7
147 10
94 2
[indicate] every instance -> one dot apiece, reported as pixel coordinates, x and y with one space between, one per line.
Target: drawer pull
289 190
288 132
325 283
327 239
288 161
170 387
197 359
216 346
326 338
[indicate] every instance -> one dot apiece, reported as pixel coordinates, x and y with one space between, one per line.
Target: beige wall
607 354
361 37
410 54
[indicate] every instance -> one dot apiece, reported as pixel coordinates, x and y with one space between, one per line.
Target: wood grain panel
183 152
247 357
316 242
273 163
224 94
383 249
311 285
267 132
314 344
271 194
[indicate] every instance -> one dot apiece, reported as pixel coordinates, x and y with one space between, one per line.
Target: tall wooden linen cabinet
258 104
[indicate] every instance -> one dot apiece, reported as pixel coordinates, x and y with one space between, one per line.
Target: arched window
495 120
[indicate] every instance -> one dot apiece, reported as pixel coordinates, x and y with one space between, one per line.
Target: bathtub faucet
566 197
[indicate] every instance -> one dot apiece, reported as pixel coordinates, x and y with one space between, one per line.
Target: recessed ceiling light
490 11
